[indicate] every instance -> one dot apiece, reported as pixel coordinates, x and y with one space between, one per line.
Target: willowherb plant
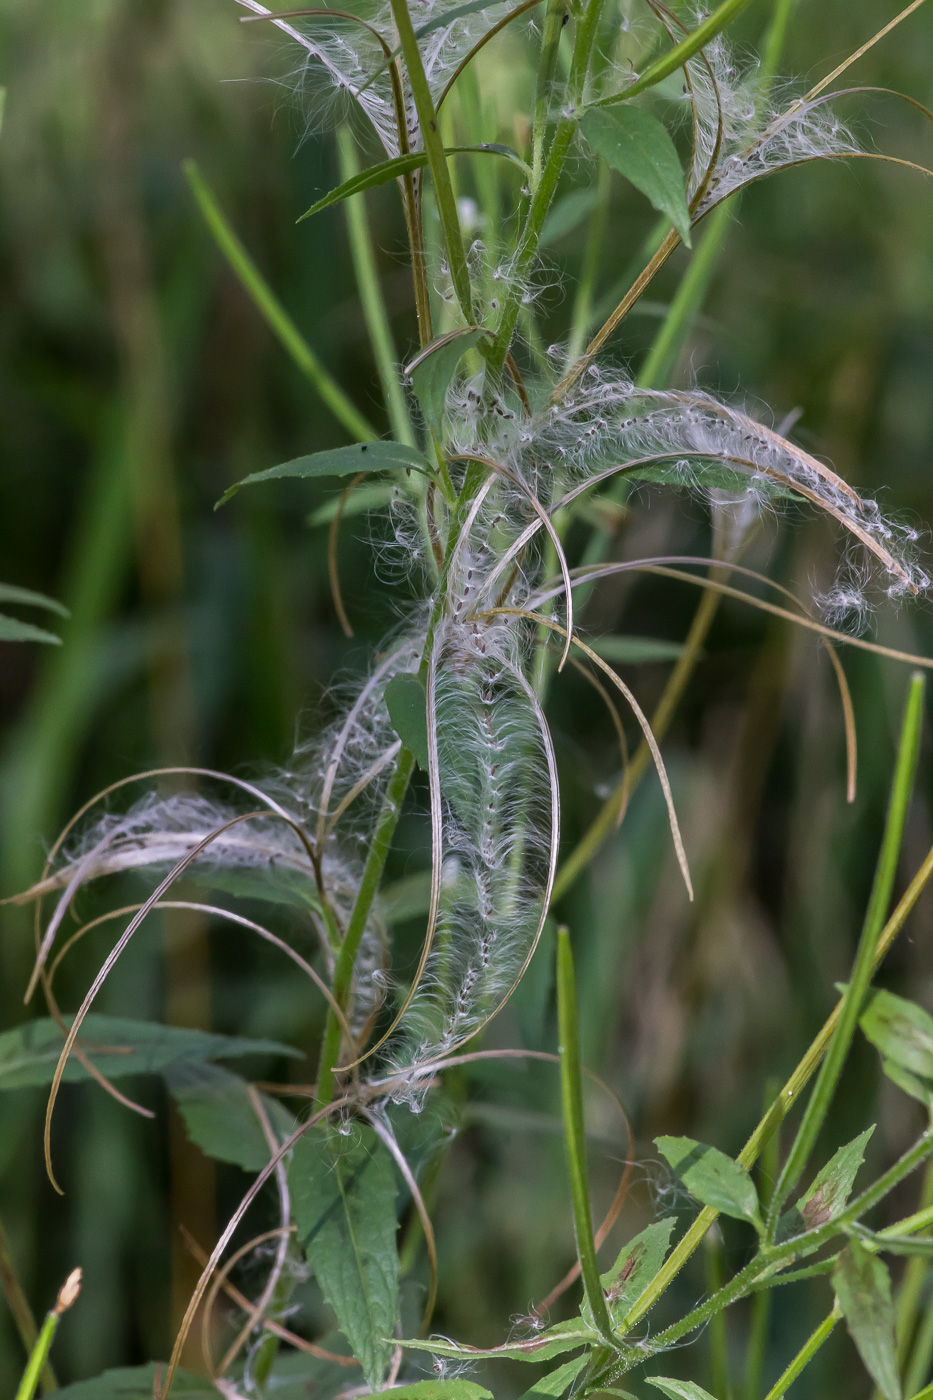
489 496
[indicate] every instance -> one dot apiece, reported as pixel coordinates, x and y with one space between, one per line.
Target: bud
68 1293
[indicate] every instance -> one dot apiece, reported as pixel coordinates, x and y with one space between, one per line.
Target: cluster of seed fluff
350 55
742 134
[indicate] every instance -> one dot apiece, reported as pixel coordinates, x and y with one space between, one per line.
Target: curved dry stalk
229 1229
333 536
222 1283
859 52
599 1239
671 21
640 717
481 42
848 719
285 1210
109 963
385 1134
606 698
363 783
216 911
546 521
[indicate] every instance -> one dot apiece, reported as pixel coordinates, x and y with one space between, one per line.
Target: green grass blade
571 1085
879 900
272 311
669 63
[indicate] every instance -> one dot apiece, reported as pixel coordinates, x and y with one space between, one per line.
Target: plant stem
37 1365
19 1307
571 1085
718 1341
804 1356
272 311
374 310
853 1000
660 362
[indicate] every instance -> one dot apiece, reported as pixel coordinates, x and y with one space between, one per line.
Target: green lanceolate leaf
554 1384
220 1117
863 1288
11 593
117 1047
564 1336
364 498
343 1201
679 1390
712 1177
392 169
12 630
442 1390
902 1031
636 1266
137 1383
431 371
638 146
830 1190
407 705
705 474
341 461
636 651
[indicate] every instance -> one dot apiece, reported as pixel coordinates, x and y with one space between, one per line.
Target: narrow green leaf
407 705
364 498
863 1288
679 1390
137 1383
219 1116
442 1390
392 169
564 1336
118 1047
11 593
407 898
12 630
638 146
556 1382
340 461
830 1190
712 1177
635 651
432 370
343 1201
677 56
902 1031
707 474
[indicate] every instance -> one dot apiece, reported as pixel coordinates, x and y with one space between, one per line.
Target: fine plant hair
486 533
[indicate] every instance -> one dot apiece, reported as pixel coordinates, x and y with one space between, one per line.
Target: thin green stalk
921 1359
769 1167
718 1340
554 18
661 359
583 302
437 160
374 310
37 1364
779 1109
774 42
804 1356
925 1394
915 1274
571 1087
676 57
854 998
19 1307
274 314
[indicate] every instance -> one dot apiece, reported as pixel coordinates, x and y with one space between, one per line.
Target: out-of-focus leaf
12 630
432 370
712 1177
556 1382
564 1336
679 1390
568 214
388 170
902 1031
343 1200
705 474
12 593
275 884
219 1116
117 1047
364 498
636 1266
407 898
638 146
137 1383
830 1190
340 461
911 1084
634 651
863 1288
442 1390
407 705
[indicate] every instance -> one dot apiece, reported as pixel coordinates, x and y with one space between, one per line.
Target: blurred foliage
138 383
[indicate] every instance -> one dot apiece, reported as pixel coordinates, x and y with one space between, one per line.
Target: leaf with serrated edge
116 1046
712 1177
556 1382
340 461
406 702
830 1190
901 1030
633 1270
565 1336
431 371
220 1118
863 1288
634 143
343 1193
679 1390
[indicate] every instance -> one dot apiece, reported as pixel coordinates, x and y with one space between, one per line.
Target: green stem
676 57
275 315
921 1357
38 1358
661 360
571 1085
718 1341
374 310
554 18
862 972
804 1356
19 1307
583 302
437 160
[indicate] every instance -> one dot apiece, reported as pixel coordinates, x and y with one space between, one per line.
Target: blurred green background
137 382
